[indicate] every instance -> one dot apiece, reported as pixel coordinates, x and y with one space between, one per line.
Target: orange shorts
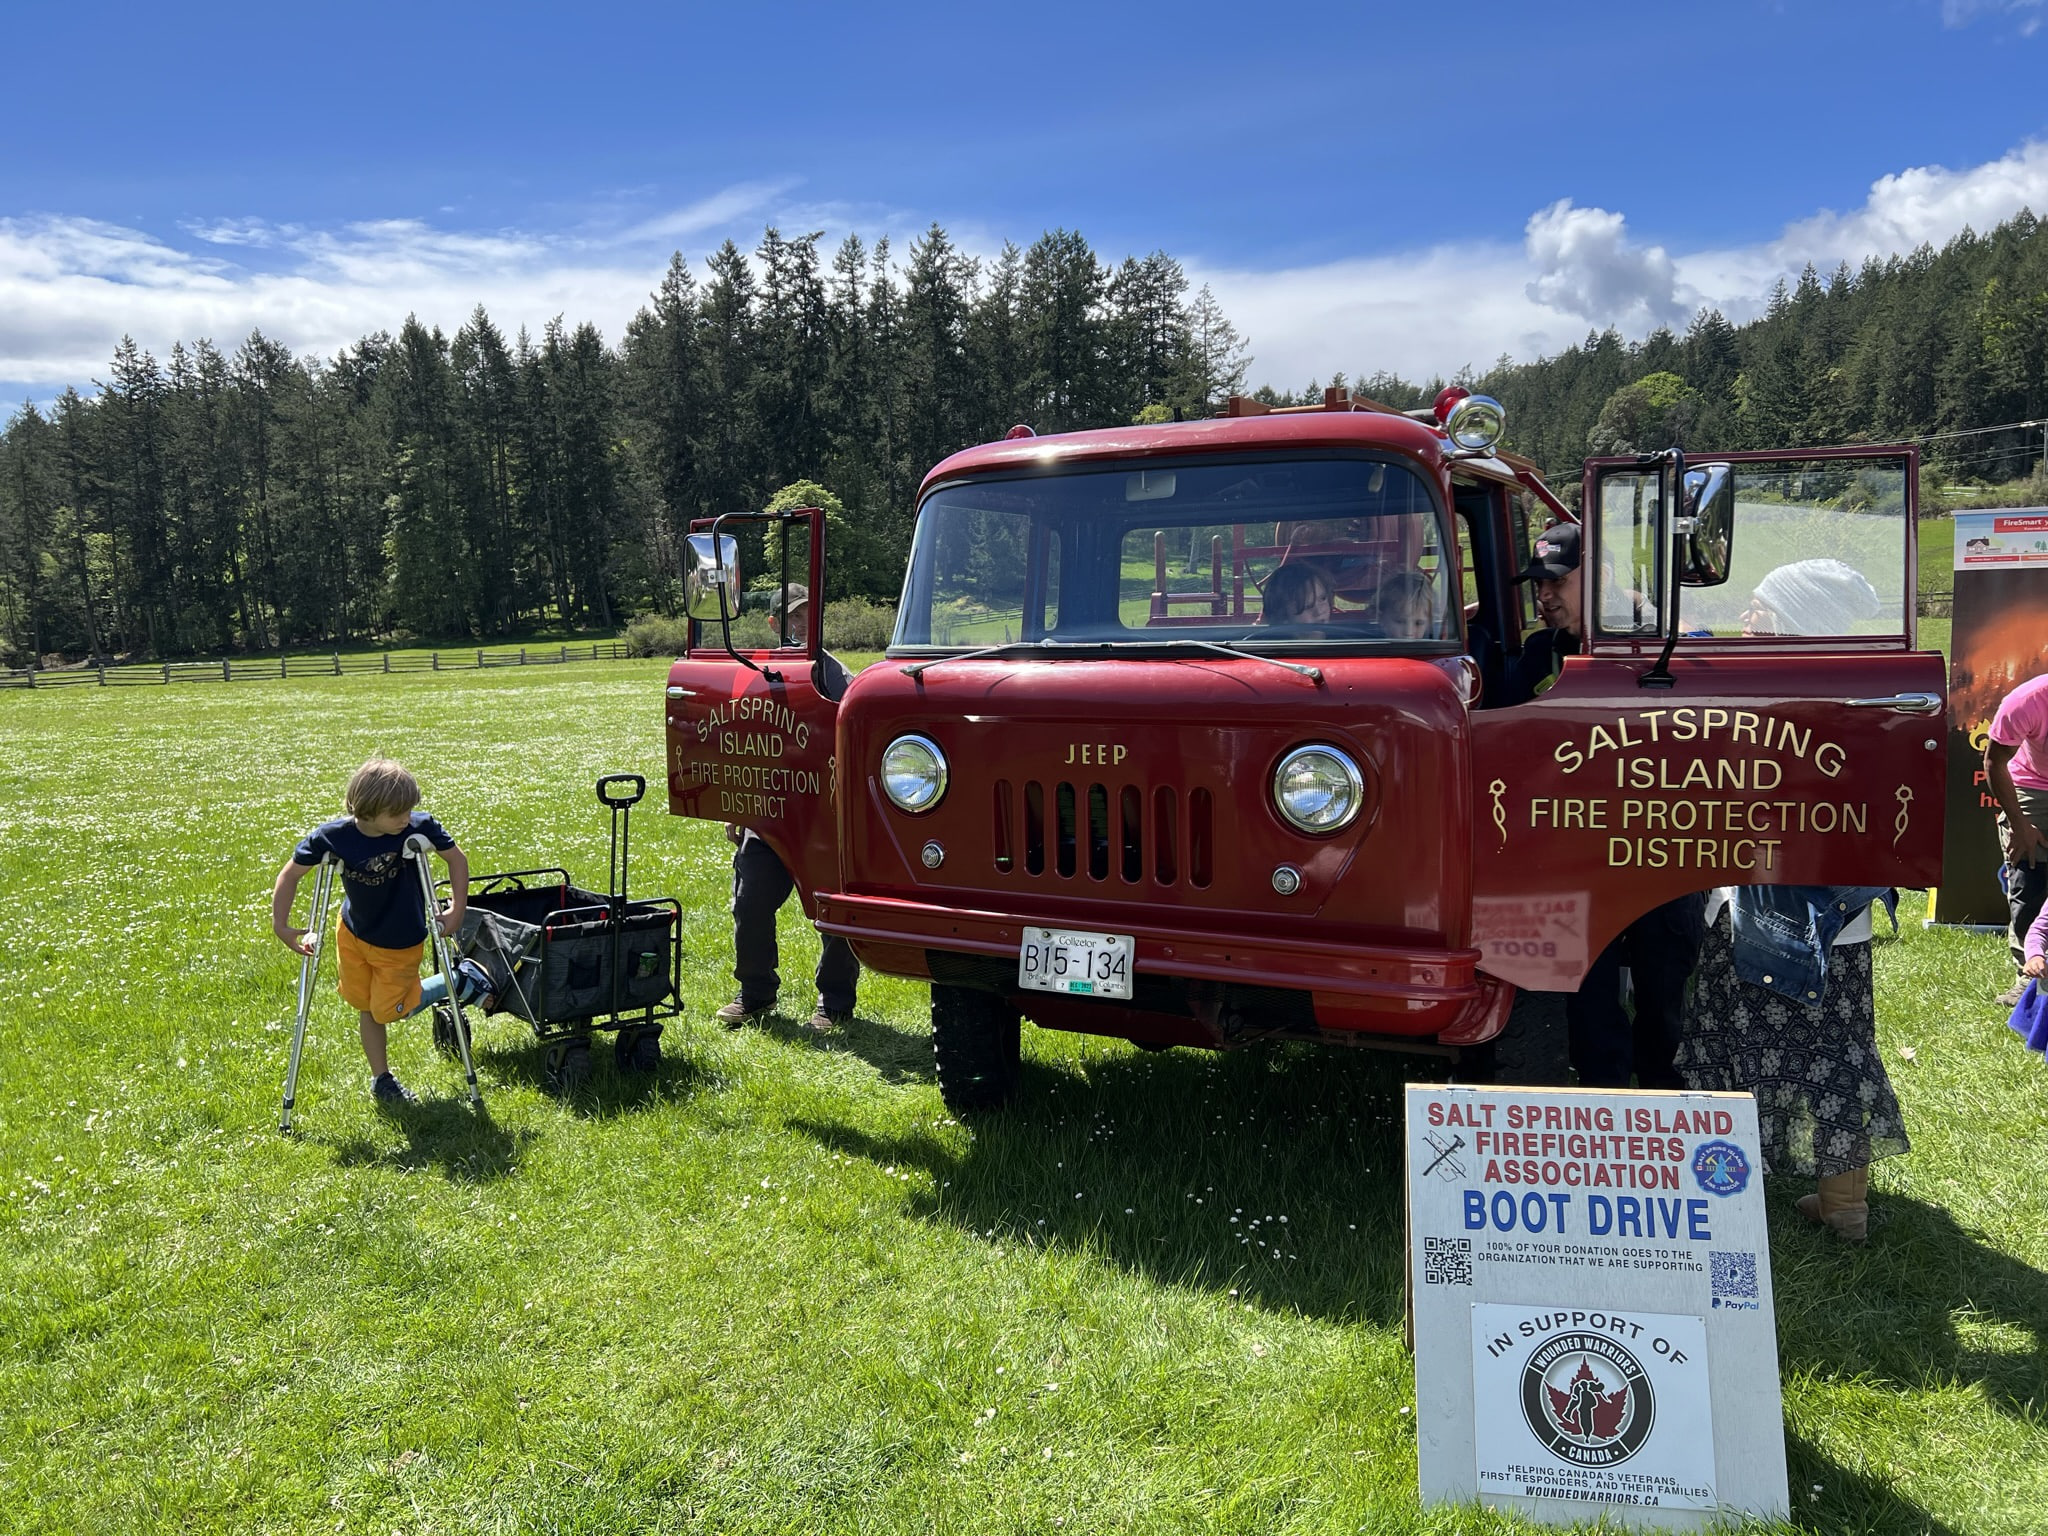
384 983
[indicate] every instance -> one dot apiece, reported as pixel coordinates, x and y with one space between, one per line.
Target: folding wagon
572 961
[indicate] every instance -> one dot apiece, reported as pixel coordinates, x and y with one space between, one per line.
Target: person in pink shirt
2016 765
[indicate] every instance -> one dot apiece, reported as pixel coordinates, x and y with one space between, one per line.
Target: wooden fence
254 668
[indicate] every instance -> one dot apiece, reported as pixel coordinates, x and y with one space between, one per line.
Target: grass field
776 1287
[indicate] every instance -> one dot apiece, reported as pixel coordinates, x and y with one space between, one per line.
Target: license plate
1083 964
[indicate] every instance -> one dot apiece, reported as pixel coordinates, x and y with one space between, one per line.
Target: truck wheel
976 1039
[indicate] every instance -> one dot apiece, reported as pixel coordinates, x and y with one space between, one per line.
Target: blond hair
381 787
1410 591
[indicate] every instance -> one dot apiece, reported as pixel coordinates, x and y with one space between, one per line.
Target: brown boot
1842 1202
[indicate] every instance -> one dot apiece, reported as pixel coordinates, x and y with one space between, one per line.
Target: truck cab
1116 776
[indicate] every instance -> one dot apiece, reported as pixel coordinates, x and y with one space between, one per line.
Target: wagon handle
637 781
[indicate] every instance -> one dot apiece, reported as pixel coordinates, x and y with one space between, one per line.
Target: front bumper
1370 988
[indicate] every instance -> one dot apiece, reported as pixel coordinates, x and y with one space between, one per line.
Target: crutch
417 849
309 972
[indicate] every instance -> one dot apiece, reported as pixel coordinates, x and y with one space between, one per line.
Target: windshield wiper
1313 674
917 669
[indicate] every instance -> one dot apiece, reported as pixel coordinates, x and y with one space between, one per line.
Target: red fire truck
1116 775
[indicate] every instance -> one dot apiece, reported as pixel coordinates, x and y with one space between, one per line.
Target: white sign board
1594 1327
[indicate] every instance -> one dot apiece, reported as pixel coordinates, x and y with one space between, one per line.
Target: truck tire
1534 1050
976 1040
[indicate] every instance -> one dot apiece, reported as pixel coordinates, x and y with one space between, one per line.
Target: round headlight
1318 789
913 773
1476 423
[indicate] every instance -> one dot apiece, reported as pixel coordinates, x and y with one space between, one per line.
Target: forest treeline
474 485
426 485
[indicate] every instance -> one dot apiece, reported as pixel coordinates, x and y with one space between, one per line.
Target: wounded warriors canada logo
1587 1399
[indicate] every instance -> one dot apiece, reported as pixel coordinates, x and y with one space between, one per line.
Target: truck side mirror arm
1672 459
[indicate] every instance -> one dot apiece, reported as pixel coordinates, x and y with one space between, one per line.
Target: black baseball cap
1555 555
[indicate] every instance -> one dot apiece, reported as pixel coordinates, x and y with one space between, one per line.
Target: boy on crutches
383 928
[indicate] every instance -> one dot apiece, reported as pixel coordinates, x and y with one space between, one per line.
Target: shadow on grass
897 1055
610 1090
459 1142
1274 1171
1849 1503
1896 1311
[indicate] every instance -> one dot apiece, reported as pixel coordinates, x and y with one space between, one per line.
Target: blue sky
1410 187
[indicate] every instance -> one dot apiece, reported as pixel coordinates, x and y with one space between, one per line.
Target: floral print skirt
1823 1102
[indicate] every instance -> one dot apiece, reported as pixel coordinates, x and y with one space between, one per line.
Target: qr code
1734 1274
1447 1261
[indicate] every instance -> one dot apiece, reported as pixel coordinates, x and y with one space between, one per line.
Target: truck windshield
1337 551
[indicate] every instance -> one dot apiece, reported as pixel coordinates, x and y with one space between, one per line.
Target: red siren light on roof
1019 430
1447 397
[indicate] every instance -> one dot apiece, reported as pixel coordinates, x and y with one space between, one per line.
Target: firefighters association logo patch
1587 1399
1720 1168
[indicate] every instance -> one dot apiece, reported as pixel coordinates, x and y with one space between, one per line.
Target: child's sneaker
389 1090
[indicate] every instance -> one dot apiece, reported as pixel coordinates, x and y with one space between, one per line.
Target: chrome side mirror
711 569
1707 524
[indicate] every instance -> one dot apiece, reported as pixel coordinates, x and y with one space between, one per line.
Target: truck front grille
1068 830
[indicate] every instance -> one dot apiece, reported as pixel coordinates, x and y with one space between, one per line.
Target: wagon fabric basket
560 956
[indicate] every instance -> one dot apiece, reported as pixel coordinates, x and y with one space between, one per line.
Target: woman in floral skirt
1782 1004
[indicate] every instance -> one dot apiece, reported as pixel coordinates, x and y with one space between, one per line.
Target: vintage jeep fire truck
1124 772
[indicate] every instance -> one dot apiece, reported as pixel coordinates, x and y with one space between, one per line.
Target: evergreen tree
28 516
1217 361
1066 334
996 350
938 382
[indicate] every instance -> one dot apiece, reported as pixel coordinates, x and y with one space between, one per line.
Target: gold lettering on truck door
1711 809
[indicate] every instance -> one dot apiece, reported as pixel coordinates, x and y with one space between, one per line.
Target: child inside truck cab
1404 607
1296 593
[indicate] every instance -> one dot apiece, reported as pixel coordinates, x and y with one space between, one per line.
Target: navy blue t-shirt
383 904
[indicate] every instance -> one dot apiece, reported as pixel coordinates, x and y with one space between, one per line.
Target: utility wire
2010 426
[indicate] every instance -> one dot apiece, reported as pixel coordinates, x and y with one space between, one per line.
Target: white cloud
1434 311
717 211
1416 314
70 288
1961 13
1925 205
1587 267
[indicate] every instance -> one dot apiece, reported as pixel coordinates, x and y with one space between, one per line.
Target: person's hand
2035 965
734 833
2028 845
450 921
295 940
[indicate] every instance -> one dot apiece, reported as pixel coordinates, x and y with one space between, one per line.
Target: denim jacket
1782 932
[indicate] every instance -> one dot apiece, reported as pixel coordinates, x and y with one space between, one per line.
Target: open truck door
1748 707
751 728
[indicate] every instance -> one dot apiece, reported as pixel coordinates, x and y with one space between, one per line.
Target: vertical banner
1590 1277
1999 641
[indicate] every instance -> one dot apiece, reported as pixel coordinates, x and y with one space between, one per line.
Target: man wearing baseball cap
1661 947
1560 593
